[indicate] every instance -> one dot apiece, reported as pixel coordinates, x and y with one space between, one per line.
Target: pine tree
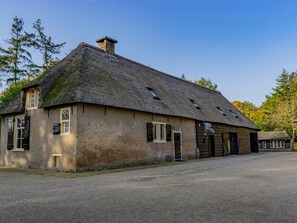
16 59
45 45
282 85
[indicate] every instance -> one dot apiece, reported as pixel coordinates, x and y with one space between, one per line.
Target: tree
284 117
279 105
206 83
45 45
279 110
183 76
282 85
16 59
12 91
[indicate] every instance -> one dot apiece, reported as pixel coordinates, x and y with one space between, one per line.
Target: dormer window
221 111
195 104
32 98
153 93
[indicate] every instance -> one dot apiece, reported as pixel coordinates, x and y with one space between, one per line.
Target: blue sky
242 45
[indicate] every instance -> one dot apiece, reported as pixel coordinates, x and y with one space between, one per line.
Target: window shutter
10 141
26 141
56 128
168 132
10 135
150 132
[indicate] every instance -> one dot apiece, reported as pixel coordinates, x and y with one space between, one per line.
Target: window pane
19 122
19 134
155 131
32 99
66 127
153 94
162 127
65 114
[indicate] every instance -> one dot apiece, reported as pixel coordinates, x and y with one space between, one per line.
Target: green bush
12 91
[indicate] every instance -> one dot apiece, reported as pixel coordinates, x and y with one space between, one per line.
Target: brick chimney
107 44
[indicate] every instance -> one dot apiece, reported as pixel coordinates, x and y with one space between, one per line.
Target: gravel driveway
246 188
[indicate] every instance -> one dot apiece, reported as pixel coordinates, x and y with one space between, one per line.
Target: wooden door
177 145
212 150
254 142
233 143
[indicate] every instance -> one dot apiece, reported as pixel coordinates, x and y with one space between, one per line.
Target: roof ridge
138 63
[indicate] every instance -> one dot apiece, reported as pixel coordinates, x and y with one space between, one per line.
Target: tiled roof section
273 135
89 75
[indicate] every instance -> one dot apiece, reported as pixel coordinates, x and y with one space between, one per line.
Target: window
159 132
65 120
195 104
221 111
32 98
19 131
272 144
233 113
264 145
153 93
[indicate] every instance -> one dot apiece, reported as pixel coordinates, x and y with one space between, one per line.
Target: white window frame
157 131
16 128
65 122
264 146
35 93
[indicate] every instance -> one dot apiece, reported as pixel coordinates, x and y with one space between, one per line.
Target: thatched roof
15 105
89 75
276 135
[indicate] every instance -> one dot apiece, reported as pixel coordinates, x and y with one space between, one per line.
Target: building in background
276 140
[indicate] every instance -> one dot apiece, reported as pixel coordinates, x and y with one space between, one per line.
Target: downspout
223 149
197 152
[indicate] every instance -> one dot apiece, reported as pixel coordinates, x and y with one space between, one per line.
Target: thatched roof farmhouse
97 108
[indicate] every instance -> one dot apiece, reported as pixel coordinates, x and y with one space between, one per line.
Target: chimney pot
107 44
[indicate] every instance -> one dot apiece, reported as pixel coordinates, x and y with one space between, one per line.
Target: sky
241 45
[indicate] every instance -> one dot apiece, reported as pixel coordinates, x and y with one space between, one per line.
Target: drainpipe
197 152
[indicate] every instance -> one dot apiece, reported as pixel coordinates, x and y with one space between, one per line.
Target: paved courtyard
246 188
